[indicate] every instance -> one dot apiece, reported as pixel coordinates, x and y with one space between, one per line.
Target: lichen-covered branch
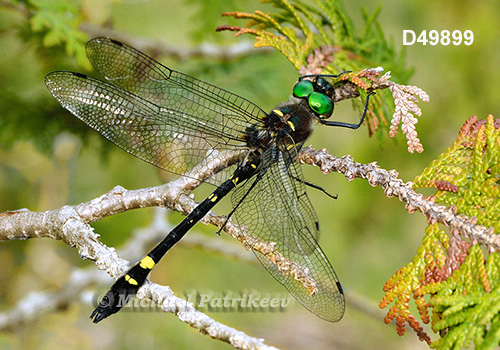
393 186
185 311
36 304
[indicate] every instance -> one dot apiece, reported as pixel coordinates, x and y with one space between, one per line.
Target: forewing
138 73
172 140
278 210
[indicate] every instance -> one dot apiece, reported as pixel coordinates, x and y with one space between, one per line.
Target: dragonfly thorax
298 118
289 121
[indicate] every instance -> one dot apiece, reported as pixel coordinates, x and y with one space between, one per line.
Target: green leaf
58 21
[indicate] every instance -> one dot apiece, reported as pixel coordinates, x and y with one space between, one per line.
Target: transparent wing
170 139
278 210
133 71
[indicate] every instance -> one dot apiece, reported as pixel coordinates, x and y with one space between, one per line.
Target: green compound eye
303 88
320 103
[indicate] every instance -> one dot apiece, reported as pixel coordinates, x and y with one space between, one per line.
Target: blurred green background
365 235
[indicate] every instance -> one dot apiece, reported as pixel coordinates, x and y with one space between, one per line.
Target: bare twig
158 48
393 186
37 303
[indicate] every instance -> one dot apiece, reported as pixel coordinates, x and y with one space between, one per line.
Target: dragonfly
175 121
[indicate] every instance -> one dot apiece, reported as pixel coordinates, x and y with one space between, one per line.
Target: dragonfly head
319 93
